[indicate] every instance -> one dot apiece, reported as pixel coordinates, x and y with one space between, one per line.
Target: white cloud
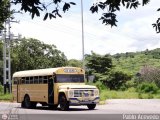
134 32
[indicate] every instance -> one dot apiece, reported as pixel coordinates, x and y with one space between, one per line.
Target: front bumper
83 101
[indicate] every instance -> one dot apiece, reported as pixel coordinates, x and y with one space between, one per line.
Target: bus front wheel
91 106
64 104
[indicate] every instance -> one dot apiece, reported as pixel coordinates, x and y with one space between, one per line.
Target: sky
133 33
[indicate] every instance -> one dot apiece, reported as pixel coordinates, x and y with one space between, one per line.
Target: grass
112 94
5 97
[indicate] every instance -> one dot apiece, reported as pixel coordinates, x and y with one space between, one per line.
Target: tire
53 107
64 104
27 102
44 104
33 104
91 106
22 104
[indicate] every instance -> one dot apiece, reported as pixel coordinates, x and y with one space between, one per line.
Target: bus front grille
83 93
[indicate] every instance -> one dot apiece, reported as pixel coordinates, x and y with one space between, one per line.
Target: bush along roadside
142 91
146 87
4 97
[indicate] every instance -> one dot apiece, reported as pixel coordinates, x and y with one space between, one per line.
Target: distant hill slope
132 62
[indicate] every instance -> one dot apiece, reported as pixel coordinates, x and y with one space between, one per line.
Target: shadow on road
58 109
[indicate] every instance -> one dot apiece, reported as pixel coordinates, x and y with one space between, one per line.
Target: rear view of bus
63 86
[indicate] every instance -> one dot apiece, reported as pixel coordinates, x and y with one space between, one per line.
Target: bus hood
77 87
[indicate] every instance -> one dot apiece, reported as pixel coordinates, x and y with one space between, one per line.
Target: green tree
112 6
101 66
1 62
75 63
51 9
30 54
98 63
4 13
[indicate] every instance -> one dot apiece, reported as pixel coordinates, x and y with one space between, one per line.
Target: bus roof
42 72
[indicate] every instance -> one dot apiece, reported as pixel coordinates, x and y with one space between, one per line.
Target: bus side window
27 80
40 80
36 80
45 79
23 80
31 80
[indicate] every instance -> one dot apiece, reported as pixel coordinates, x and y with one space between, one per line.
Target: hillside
132 62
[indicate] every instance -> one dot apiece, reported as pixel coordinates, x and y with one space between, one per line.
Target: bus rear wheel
64 104
91 106
22 104
27 102
33 104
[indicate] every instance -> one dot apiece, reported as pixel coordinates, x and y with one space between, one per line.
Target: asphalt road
115 109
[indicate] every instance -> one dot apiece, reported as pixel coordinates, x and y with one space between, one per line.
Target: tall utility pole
7 37
83 63
6 57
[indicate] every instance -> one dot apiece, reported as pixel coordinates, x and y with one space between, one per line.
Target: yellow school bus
63 86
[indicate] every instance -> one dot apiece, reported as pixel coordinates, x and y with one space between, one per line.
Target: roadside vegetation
120 76
4 97
139 92
127 76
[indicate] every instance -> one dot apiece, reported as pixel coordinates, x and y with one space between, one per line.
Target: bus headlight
71 93
96 92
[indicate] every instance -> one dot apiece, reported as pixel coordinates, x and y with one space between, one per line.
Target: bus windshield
64 78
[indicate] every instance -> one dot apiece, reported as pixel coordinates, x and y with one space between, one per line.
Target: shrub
150 96
131 89
158 92
140 95
1 89
100 85
145 96
147 88
117 79
129 84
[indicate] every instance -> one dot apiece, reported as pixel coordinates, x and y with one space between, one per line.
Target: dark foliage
117 79
157 24
98 63
52 8
111 6
4 12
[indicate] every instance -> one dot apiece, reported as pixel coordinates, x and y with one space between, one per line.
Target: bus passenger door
50 90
